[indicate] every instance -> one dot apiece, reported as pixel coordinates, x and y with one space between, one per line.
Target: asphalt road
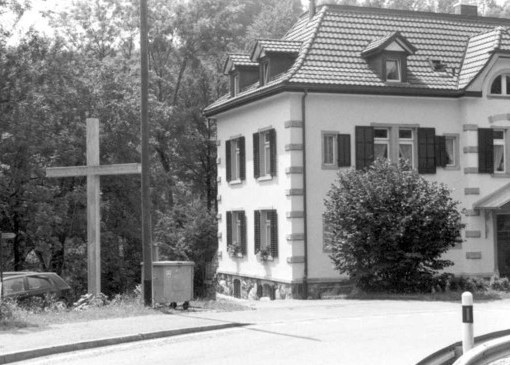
322 332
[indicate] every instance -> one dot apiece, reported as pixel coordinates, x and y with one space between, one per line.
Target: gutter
335 89
304 177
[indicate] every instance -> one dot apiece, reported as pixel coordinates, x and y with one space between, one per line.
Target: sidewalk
33 342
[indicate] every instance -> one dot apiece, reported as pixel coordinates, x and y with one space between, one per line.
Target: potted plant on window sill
264 254
234 250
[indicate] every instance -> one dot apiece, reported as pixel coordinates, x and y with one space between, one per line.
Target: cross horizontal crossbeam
116 169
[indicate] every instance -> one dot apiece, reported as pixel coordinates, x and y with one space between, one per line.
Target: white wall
253 195
341 113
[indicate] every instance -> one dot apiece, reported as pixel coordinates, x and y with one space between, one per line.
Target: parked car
23 286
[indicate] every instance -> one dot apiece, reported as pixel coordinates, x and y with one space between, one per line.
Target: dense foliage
388 227
89 67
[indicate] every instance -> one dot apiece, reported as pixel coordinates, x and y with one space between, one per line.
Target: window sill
452 168
329 167
500 176
265 178
496 96
235 182
267 259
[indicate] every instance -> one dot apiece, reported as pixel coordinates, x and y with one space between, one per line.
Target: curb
448 355
85 345
483 354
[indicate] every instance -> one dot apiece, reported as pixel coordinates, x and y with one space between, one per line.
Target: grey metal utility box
173 282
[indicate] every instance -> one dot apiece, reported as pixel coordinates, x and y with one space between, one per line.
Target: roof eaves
244 99
284 86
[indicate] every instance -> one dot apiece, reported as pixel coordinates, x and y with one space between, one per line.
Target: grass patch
119 307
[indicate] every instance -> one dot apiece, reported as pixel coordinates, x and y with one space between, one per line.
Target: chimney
312 9
465 10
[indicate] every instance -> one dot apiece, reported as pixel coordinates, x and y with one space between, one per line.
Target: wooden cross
93 170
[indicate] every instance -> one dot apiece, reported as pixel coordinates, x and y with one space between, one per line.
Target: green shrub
500 284
388 227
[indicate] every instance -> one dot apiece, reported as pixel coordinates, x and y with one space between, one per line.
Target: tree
388 227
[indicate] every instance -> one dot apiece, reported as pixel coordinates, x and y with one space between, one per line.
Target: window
381 143
13 286
392 70
265 232
265 164
236 85
265 72
492 150
415 145
236 233
329 149
450 149
235 159
500 85
336 150
499 154
406 146
38 283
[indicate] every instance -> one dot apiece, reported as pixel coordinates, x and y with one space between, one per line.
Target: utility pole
144 124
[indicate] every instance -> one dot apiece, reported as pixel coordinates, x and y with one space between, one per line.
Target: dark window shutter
256 155
228 160
343 150
426 141
241 146
274 234
243 220
229 228
364 146
257 231
273 152
485 150
441 152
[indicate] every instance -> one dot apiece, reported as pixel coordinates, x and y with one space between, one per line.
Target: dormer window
275 57
242 71
392 70
388 57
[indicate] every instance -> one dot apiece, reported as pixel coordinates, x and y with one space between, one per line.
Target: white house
345 85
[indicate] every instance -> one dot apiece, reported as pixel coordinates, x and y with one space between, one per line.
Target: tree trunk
179 78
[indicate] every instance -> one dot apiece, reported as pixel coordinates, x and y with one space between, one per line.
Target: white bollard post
468 320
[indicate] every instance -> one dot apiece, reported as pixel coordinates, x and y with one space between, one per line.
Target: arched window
500 85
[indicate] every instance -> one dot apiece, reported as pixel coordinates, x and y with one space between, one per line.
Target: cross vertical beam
93 211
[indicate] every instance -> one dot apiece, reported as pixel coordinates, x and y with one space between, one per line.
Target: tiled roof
333 40
274 45
479 52
238 59
385 40
279 45
345 32
242 59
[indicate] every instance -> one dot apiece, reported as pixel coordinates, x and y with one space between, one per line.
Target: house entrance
503 244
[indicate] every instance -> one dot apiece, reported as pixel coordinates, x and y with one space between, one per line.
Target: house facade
344 86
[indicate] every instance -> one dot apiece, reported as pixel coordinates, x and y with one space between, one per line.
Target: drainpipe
304 176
